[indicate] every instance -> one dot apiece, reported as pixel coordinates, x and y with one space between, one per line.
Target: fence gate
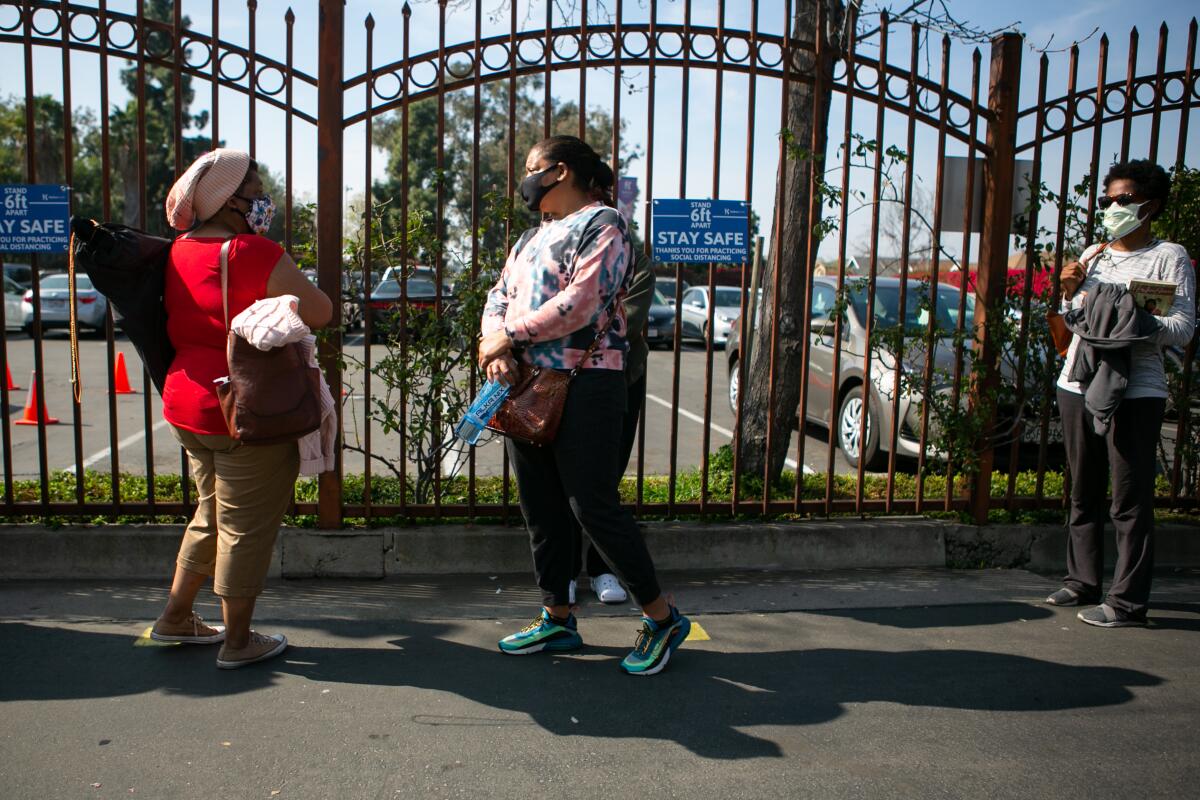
689 100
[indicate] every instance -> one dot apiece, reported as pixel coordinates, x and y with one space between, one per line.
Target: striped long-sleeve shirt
560 286
1158 261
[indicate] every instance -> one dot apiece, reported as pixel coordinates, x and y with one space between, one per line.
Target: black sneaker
1105 616
1069 597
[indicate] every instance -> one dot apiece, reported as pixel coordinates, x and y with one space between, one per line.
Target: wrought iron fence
901 107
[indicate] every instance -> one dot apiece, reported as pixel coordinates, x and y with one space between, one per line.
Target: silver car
13 292
693 313
55 298
842 416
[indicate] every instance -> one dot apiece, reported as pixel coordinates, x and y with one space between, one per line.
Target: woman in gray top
1135 192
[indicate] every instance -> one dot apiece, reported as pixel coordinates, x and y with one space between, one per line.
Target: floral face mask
261 213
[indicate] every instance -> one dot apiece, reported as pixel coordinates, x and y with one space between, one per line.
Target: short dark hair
591 173
1152 181
253 167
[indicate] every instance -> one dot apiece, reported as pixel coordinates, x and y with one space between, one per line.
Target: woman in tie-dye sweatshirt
561 288
558 291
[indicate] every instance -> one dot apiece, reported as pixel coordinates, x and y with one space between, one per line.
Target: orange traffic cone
35 409
121 377
12 387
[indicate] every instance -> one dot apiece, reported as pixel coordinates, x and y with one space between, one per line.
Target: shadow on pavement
705 703
1175 623
942 616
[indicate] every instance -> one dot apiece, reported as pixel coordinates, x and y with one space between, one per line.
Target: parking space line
683 412
121 445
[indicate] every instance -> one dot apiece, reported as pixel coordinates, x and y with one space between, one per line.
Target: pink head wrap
201 191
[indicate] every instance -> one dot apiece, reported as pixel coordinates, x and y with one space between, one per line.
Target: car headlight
725 318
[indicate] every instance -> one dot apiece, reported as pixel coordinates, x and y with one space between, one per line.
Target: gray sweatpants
1128 452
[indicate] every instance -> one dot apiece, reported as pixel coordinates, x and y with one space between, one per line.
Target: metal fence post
330 44
998 176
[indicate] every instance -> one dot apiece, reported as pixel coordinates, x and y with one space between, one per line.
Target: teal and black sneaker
654 645
543 634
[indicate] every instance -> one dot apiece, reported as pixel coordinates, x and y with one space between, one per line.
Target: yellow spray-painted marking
145 641
698 634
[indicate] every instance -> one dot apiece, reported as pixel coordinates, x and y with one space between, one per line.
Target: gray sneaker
259 648
1105 616
1068 597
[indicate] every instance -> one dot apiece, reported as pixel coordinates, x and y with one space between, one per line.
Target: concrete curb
140 552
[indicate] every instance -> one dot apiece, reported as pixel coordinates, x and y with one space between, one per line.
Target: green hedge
386 490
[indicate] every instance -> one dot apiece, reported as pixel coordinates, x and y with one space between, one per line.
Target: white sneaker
608 589
571 593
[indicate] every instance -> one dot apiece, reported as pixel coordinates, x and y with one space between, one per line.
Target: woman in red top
242 492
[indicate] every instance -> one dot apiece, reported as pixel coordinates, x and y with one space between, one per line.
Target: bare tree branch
387 463
933 15
1046 47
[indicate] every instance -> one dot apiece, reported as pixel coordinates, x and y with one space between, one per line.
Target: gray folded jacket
1107 324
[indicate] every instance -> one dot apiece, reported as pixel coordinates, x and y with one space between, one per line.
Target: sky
1051 25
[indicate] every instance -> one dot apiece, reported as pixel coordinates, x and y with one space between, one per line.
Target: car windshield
416 286
659 300
729 297
60 282
916 315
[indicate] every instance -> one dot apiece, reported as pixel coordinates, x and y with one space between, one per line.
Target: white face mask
1120 220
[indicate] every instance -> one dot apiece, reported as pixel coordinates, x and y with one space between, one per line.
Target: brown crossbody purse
533 409
271 396
1059 332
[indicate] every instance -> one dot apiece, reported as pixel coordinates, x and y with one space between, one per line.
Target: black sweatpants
577 478
1128 451
635 398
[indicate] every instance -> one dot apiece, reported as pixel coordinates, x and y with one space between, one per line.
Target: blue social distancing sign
35 218
701 231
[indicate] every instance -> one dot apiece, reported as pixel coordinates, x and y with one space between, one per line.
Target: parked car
13 292
384 305
416 271
353 298
20 274
667 287
660 323
55 300
842 416
693 313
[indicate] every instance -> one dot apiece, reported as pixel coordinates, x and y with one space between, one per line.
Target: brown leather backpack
271 396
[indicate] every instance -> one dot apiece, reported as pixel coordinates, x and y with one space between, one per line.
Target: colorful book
1153 296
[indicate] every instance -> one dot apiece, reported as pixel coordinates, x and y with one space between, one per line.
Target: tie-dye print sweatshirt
557 289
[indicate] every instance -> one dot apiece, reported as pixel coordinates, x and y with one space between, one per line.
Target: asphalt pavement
136 443
879 684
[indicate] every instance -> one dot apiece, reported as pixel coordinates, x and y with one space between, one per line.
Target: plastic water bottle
475 421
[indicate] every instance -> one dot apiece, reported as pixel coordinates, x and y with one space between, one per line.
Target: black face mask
532 190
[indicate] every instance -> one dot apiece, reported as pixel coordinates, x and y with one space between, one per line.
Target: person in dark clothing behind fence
559 292
637 302
1135 192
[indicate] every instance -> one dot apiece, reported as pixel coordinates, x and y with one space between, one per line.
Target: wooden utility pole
330 41
998 175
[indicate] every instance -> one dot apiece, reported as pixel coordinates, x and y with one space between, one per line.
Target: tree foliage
125 153
455 177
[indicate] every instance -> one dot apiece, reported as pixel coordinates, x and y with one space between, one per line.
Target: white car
13 292
693 313
55 298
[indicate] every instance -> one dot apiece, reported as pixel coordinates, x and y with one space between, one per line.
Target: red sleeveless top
196 321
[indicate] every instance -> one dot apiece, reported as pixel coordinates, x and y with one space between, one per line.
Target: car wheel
734 385
849 431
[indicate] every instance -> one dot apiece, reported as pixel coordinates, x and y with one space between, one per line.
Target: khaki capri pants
243 492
